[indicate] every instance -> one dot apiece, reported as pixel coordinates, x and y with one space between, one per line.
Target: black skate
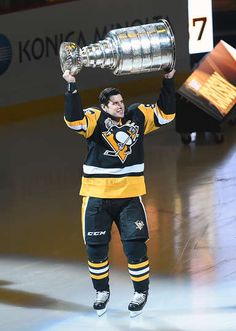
138 302
101 301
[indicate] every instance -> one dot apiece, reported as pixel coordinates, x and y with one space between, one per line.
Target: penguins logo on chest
120 138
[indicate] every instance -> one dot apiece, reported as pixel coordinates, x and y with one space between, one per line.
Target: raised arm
76 118
73 107
163 111
166 101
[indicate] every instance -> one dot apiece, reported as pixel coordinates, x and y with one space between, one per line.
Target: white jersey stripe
77 127
161 120
90 170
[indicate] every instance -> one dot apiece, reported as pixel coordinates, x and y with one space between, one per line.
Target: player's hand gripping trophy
131 50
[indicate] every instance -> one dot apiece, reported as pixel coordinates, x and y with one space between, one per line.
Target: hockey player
113 180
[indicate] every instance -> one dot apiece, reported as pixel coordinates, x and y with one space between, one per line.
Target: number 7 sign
200 26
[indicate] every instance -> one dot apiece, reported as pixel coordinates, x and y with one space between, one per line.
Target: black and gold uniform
115 162
113 180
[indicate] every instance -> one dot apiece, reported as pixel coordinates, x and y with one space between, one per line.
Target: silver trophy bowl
137 49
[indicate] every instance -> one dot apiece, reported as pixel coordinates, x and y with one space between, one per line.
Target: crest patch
120 138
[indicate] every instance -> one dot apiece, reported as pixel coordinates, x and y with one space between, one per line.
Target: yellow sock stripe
139 279
98 265
99 276
138 265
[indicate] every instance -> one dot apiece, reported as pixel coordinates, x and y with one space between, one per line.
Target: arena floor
192 220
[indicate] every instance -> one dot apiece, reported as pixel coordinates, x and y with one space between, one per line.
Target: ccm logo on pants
97 233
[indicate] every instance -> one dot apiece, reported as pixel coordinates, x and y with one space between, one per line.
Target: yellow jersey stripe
149 124
110 187
83 211
92 115
168 117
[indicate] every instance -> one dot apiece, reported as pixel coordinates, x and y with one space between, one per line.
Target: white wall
35 36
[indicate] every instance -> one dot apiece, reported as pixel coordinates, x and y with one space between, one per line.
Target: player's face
115 106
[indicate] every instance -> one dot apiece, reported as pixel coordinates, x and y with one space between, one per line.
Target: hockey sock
139 274
99 273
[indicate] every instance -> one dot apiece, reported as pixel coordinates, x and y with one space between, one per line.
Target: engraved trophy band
136 49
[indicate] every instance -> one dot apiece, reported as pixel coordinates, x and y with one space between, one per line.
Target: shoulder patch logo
120 138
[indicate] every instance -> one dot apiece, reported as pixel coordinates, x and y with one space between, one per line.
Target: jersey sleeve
163 111
83 121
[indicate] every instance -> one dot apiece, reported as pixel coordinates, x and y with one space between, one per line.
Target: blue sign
5 53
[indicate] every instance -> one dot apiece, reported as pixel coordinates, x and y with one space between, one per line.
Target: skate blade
133 314
101 312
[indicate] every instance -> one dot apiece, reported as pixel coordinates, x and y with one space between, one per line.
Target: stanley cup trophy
137 49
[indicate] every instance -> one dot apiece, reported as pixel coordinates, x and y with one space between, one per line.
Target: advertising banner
30 41
212 85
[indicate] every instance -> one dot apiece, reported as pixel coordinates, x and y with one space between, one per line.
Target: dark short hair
105 95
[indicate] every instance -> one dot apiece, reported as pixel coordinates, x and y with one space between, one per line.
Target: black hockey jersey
114 166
